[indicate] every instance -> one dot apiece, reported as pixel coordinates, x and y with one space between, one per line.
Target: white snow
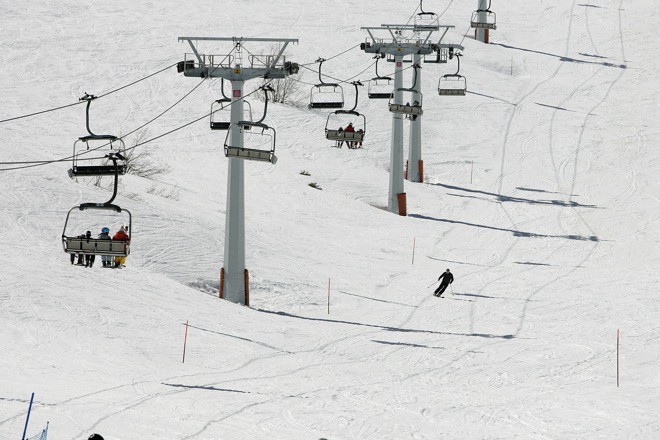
554 242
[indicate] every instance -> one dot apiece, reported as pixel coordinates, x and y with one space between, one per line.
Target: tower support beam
415 149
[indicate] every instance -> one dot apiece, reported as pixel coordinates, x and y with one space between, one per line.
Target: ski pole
452 289
432 284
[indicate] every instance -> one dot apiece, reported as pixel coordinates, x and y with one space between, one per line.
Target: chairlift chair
414 109
262 139
453 84
483 19
341 119
380 87
426 20
76 244
440 56
100 145
218 118
326 95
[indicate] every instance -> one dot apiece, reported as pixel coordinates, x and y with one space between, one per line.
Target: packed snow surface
541 194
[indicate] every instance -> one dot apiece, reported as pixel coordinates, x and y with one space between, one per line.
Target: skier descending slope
447 278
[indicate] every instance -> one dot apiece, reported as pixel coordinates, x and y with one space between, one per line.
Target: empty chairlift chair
335 126
426 20
380 87
326 95
220 117
440 55
92 153
259 144
217 107
453 84
484 19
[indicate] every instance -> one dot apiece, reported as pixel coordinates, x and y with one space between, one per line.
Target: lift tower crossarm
206 67
399 45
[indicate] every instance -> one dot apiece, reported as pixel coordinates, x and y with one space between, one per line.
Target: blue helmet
105 231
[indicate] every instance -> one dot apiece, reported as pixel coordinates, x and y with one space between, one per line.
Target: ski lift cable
80 102
446 9
65 159
332 57
33 164
158 116
193 121
348 80
413 15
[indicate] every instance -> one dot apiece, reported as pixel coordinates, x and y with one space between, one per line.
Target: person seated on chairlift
349 129
415 104
121 235
340 132
81 257
105 259
89 258
359 143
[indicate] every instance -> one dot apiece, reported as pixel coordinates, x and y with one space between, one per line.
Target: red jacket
120 235
349 128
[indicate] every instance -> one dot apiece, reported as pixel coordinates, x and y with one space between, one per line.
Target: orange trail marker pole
185 339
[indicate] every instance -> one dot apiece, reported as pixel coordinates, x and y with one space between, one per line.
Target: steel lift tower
237 69
395 45
414 170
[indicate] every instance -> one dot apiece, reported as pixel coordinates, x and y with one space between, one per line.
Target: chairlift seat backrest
96 246
488 23
97 170
250 154
406 109
337 135
98 138
221 125
218 123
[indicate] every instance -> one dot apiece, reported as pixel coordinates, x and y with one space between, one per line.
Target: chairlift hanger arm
89 99
357 94
266 89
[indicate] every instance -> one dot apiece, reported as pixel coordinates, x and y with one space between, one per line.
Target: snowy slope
554 242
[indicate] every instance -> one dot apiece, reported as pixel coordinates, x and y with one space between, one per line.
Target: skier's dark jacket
446 277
